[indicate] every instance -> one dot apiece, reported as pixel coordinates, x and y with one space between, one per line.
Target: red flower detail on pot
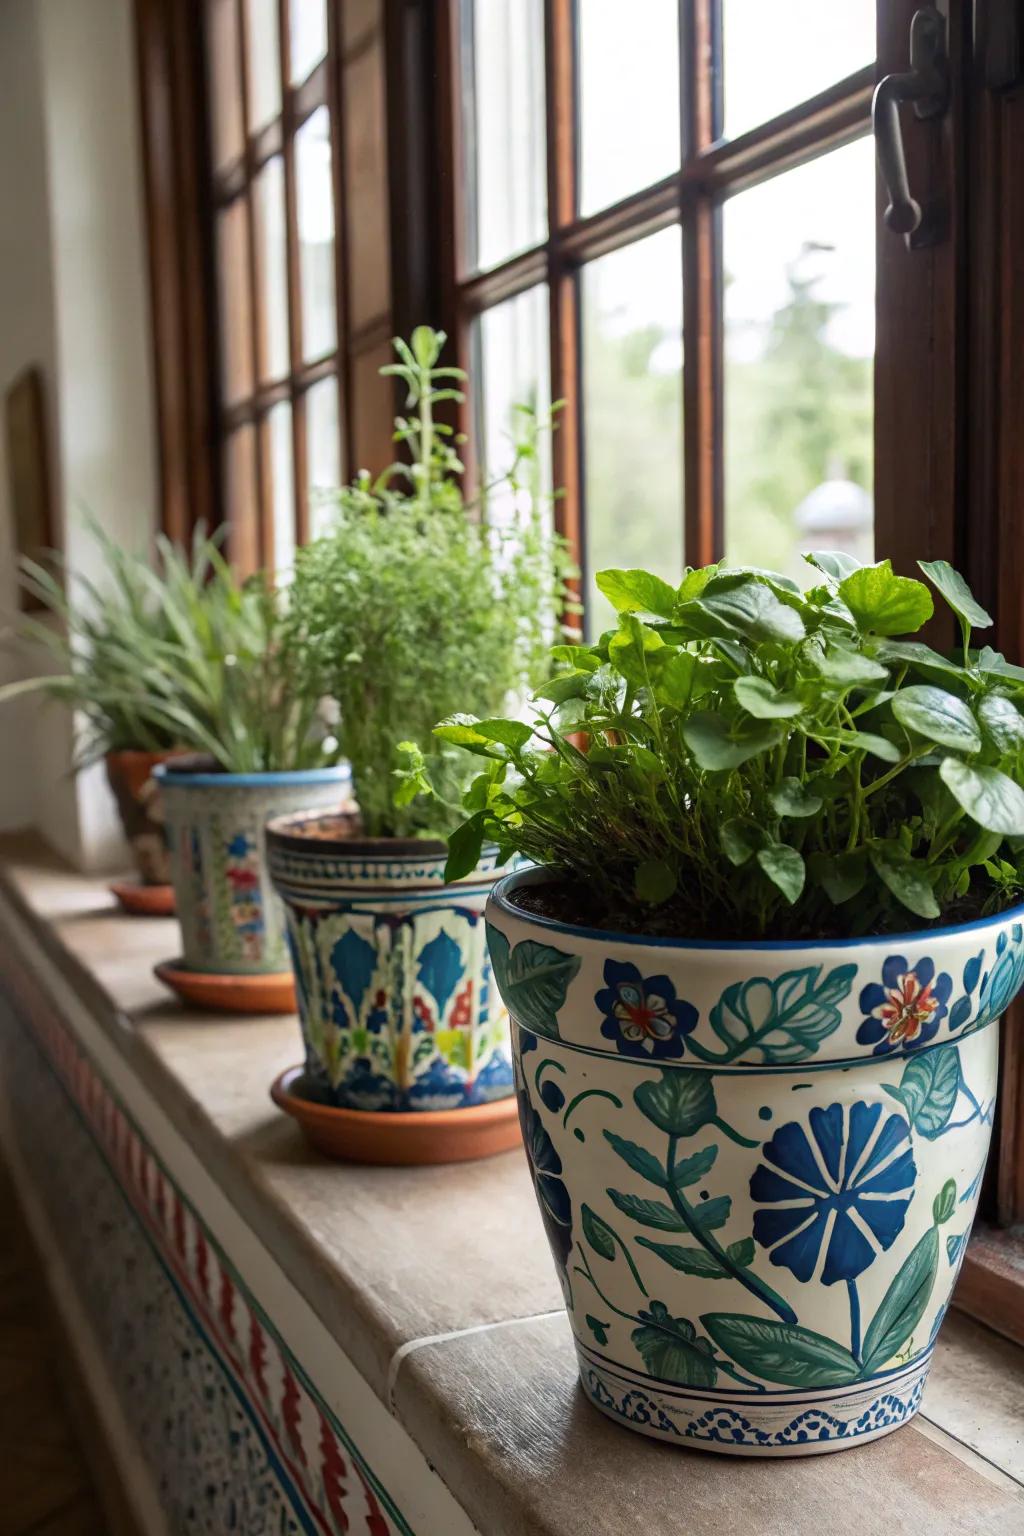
905 1008
642 1014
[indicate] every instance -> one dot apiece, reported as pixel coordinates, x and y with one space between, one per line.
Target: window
683 211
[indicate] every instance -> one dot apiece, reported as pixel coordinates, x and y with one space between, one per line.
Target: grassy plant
417 600
764 762
180 655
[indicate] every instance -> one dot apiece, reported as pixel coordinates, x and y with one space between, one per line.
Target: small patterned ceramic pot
395 997
130 776
231 921
757 1164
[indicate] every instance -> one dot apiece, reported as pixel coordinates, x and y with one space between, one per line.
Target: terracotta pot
397 1007
231 921
130 776
757 1164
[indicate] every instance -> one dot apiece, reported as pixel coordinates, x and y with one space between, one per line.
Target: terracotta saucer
229 994
398 1137
144 900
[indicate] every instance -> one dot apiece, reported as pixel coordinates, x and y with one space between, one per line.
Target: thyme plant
742 759
417 600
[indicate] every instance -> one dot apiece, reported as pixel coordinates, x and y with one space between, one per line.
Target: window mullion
293 268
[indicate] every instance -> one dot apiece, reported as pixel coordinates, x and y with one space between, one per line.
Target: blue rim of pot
539 875
176 779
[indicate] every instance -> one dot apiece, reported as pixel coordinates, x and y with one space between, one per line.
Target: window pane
272 268
323 452
513 370
629 98
508 203
235 315
632 304
776 56
225 90
264 62
282 480
315 197
307 36
799 256
242 511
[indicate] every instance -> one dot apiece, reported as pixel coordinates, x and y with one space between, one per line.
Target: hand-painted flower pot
757 1164
231 921
397 1006
130 776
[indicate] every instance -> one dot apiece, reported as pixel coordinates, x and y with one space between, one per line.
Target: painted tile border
331 1482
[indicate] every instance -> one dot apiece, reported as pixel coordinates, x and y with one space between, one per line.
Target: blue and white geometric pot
396 1000
757 1164
231 921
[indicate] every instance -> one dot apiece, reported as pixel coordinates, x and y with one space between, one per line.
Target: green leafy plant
742 759
180 654
417 600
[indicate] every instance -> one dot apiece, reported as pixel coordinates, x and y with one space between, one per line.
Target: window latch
926 86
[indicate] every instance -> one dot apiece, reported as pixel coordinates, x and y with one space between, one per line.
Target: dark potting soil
563 902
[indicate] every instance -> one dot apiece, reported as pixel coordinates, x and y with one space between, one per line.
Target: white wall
74 300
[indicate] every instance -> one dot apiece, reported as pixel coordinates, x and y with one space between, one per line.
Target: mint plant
418 600
742 759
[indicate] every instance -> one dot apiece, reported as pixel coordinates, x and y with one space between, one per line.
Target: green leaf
463 731
533 980
742 1252
914 653
944 1203
1002 722
751 609
784 867
655 881
671 1348
956 592
637 592
764 701
631 649
675 680
791 797
598 1328
719 744
510 733
903 1305
928 1089
781 1352
833 563
841 876
849 669
639 1159
886 604
712 1214
648 1213
869 741
785 1019
465 846
598 1233
905 877
989 797
680 1102
691 1261
938 716
995 664
738 840
692 1169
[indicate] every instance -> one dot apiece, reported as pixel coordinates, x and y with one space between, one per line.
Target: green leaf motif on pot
692 1169
903 1305
786 1019
680 1103
598 1328
672 1348
648 1213
944 1203
597 1233
711 1214
928 1089
639 1159
690 1261
783 1353
533 980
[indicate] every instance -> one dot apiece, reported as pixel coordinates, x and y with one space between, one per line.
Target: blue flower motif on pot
842 1183
546 1172
999 985
904 1010
642 1014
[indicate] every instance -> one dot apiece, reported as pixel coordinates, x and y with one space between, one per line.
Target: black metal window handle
926 85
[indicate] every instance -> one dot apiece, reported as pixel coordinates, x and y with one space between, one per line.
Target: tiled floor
45 1488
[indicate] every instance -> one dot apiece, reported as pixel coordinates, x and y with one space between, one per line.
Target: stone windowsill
438 1285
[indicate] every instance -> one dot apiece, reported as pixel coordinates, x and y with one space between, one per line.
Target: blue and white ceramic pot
396 999
757 1164
231 921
